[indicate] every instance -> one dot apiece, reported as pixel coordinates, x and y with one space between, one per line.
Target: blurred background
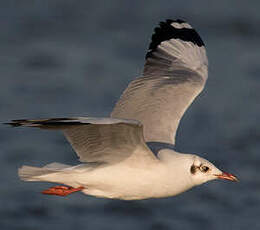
74 58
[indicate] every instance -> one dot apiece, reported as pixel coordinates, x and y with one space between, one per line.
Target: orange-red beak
227 176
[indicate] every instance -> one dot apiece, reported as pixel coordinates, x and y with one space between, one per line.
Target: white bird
131 154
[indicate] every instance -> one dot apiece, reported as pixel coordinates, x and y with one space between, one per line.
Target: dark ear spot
193 169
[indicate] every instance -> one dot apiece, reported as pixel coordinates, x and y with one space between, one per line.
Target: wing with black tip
101 140
175 72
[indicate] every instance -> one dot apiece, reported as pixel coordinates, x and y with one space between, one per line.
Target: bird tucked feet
61 190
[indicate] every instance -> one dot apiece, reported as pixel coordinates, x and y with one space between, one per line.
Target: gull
131 154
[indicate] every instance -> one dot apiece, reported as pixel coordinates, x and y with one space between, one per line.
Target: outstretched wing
104 140
174 74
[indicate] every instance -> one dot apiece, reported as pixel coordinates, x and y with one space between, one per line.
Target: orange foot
61 190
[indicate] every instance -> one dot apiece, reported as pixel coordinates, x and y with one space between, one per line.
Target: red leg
61 190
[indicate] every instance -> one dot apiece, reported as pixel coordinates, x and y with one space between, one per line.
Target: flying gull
130 155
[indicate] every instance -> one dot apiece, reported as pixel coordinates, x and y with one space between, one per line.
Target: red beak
227 176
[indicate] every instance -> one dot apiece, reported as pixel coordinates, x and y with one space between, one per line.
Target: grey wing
102 140
174 74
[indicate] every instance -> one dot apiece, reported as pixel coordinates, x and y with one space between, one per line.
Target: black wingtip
12 124
16 123
45 123
166 31
170 21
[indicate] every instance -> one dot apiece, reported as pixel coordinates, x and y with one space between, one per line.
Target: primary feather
174 74
117 162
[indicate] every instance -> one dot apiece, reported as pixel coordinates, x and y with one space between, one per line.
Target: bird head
202 171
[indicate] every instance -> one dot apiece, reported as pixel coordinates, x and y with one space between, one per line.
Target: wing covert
174 73
100 140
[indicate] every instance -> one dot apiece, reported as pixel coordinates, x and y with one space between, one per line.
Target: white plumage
131 155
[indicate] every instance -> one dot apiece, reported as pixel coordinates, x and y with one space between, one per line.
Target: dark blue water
65 58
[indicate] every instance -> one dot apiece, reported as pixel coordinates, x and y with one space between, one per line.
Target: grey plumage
99 140
174 74
131 154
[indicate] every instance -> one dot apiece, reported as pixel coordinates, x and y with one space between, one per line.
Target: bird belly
129 183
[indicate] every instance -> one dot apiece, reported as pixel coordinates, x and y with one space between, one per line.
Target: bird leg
61 190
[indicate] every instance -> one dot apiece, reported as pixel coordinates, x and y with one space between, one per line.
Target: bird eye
204 168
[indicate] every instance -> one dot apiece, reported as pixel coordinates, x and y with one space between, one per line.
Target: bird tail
30 173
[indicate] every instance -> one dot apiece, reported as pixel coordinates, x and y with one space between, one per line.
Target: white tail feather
30 173
56 166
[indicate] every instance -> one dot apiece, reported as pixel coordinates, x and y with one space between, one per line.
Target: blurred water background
73 58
